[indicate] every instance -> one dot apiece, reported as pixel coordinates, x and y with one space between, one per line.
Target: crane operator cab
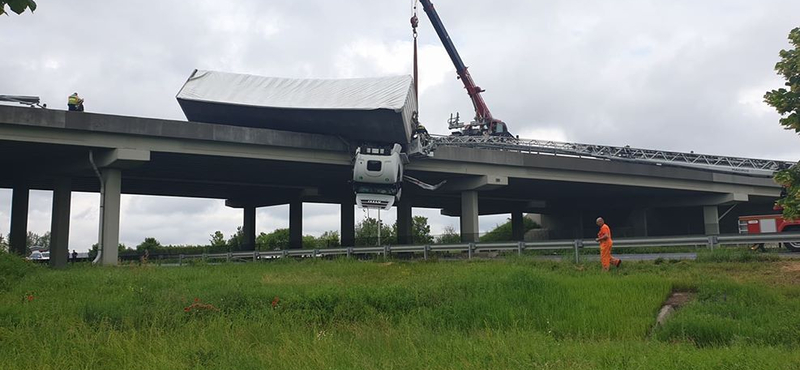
378 176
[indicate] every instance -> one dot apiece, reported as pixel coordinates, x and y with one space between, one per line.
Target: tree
309 241
236 241
95 247
367 233
17 6
148 244
44 240
277 239
504 232
329 239
448 236
787 103
217 239
420 230
3 244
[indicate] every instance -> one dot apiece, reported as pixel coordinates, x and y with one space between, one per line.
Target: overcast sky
677 75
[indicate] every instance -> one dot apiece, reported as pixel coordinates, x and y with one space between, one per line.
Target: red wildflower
29 297
275 302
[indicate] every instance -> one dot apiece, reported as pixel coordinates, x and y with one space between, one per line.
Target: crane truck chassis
770 224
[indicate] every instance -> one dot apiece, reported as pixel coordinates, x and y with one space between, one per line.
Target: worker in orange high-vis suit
604 238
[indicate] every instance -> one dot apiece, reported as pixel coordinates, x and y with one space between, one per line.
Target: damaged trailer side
362 110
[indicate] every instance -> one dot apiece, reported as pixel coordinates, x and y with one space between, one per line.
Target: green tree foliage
277 239
448 236
120 248
367 233
787 103
150 244
236 241
420 231
36 240
217 240
17 6
329 239
3 244
790 180
309 241
503 233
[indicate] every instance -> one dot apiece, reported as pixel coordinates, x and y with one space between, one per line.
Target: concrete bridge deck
252 167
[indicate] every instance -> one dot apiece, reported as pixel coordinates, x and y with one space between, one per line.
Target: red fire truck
770 224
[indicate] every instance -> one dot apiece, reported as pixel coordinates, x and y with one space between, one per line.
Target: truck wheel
792 246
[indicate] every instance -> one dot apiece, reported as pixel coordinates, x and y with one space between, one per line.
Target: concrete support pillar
711 220
59 224
638 220
469 216
109 222
249 228
19 218
348 224
517 226
404 223
296 224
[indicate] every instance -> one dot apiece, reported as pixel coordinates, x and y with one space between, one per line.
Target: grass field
516 313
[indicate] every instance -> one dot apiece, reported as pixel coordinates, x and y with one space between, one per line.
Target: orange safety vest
604 230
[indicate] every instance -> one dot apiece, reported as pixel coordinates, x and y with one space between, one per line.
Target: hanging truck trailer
377 115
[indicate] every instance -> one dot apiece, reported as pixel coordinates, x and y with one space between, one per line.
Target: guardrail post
425 252
520 247
255 256
228 257
386 251
712 241
470 247
578 244
316 252
205 257
285 253
349 251
180 260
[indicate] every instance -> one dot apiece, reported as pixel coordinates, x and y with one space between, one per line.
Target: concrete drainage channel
675 301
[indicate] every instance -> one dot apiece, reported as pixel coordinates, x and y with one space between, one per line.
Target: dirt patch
791 267
790 273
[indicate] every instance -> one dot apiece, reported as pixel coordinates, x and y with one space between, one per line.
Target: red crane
484 123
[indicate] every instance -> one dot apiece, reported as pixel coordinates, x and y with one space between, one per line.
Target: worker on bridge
75 103
604 238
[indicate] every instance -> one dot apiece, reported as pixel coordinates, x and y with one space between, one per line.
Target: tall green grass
354 314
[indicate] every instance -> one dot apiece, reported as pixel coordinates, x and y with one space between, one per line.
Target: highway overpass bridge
251 167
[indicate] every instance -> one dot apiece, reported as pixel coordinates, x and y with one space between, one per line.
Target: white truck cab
378 176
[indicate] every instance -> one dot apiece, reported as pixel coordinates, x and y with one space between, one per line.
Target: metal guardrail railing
709 241
749 166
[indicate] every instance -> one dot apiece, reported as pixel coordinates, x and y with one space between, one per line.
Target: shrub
12 269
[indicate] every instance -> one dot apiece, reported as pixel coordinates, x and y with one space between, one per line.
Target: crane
484 123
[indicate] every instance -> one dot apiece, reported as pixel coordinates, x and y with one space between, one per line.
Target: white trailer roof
366 109
354 93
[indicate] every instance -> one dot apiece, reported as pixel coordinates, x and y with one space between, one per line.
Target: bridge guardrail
709 241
